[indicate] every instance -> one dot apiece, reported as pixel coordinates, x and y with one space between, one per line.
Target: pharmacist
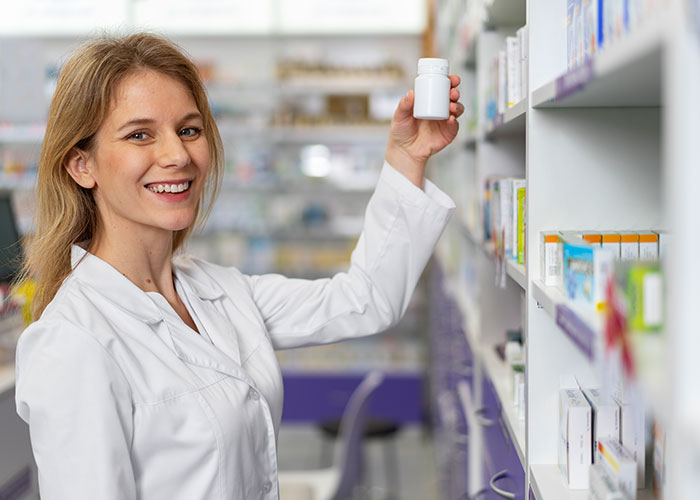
151 374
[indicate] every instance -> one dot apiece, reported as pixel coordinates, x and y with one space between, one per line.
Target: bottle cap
433 65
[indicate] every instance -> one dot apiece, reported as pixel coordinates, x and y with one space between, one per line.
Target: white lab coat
124 401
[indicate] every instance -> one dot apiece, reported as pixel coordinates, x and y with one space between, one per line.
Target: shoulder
229 278
71 327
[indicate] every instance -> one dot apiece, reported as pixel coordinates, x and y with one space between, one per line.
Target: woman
152 375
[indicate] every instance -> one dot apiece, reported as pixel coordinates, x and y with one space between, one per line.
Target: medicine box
605 417
629 245
578 31
551 252
574 437
570 43
506 227
587 271
590 28
603 485
632 436
513 68
665 243
645 297
648 246
620 463
521 228
611 241
517 184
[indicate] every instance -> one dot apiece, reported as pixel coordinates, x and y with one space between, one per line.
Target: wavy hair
66 213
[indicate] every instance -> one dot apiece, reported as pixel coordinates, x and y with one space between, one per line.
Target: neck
145 258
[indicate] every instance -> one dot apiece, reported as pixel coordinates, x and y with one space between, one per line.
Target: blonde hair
66 212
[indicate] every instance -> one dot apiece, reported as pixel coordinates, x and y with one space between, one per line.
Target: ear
75 164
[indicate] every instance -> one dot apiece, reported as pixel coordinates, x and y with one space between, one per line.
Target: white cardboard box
606 418
603 485
574 437
620 463
632 435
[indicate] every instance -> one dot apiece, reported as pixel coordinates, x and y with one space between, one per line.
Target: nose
172 151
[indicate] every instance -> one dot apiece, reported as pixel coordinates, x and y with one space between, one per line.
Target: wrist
411 168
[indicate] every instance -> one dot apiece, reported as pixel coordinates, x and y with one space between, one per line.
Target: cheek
200 156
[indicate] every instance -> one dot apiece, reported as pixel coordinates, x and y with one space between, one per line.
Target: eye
138 136
190 132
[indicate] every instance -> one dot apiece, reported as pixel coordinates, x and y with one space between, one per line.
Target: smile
169 187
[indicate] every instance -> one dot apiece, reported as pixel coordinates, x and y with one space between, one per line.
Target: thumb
405 108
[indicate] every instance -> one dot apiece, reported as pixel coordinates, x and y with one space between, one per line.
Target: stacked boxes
575 445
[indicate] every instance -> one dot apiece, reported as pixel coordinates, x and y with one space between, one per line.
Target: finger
456 109
455 80
454 94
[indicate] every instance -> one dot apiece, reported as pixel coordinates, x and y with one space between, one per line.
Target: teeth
170 188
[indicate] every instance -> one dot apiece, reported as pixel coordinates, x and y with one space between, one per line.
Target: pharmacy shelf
308 188
17 183
625 74
499 374
583 329
548 483
517 272
29 133
343 85
505 13
339 134
510 123
470 313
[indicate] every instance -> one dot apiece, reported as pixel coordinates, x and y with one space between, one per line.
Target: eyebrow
148 121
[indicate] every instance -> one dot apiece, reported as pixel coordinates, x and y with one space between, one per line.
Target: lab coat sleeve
77 403
401 228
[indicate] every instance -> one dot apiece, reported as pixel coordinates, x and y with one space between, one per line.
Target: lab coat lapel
221 330
223 353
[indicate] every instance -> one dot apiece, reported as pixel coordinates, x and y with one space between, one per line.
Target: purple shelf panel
315 397
576 329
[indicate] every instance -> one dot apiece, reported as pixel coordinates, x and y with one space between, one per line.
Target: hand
412 141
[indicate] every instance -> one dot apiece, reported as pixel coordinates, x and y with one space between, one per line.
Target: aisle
300 448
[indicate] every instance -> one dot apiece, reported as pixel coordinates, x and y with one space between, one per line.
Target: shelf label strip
576 329
574 80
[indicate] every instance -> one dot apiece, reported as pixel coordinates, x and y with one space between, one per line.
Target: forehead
149 93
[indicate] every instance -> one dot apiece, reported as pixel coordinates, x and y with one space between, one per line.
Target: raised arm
404 220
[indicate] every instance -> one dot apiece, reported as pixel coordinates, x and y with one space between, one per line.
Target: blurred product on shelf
504 221
587 269
605 414
618 461
603 485
507 77
594 25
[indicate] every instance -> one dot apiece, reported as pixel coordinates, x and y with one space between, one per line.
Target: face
150 157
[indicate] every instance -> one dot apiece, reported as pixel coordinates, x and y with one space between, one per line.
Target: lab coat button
253 394
267 487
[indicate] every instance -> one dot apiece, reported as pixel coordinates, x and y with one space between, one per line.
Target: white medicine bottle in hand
432 90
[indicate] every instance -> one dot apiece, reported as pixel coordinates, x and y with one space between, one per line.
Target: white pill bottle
432 90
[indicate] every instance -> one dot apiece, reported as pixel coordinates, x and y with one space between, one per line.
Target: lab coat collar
113 285
184 269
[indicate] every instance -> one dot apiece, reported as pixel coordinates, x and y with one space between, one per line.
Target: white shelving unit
610 144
